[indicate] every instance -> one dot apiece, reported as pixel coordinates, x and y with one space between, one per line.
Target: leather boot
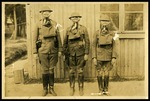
45 78
106 82
51 91
100 84
51 85
81 84
72 84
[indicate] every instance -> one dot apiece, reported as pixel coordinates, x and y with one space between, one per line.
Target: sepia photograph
74 50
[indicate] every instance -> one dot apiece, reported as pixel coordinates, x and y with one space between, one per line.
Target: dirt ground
122 90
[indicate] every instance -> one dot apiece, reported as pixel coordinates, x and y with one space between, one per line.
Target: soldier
76 45
48 46
104 53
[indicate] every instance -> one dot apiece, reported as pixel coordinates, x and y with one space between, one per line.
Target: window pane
133 7
133 21
109 7
115 21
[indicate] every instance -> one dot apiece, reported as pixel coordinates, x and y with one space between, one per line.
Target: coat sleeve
87 41
94 45
59 40
65 43
35 38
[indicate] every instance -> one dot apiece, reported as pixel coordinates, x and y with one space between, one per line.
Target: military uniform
104 50
49 37
76 45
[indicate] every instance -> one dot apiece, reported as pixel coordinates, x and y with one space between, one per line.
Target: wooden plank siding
131 58
130 62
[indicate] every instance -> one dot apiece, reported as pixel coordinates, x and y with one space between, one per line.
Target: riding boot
72 84
106 82
51 85
45 79
81 84
100 84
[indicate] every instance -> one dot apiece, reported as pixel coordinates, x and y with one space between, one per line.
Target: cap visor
75 16
46 10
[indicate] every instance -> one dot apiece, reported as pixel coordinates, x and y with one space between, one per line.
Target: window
133 17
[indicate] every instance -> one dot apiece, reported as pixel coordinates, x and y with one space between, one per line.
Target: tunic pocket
109 54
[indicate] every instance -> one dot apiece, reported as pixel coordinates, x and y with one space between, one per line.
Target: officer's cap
104 17
45 8
75 14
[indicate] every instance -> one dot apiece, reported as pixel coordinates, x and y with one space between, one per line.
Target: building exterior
129 21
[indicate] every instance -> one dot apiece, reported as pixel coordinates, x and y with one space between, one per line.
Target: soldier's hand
85 57
59 54
95 61
64 58
35 56
113 61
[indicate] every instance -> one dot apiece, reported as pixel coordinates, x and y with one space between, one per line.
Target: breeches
103 68
48 62
76 65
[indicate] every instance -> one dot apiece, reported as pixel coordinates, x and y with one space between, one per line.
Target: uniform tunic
51 44
104 48
76 44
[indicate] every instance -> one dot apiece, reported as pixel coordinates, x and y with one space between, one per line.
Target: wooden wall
130 62
131 58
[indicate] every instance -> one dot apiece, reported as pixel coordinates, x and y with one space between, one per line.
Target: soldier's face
104 29
46 14
104 26
75 19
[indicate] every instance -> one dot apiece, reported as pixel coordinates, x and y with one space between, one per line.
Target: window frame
122 9
122 12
